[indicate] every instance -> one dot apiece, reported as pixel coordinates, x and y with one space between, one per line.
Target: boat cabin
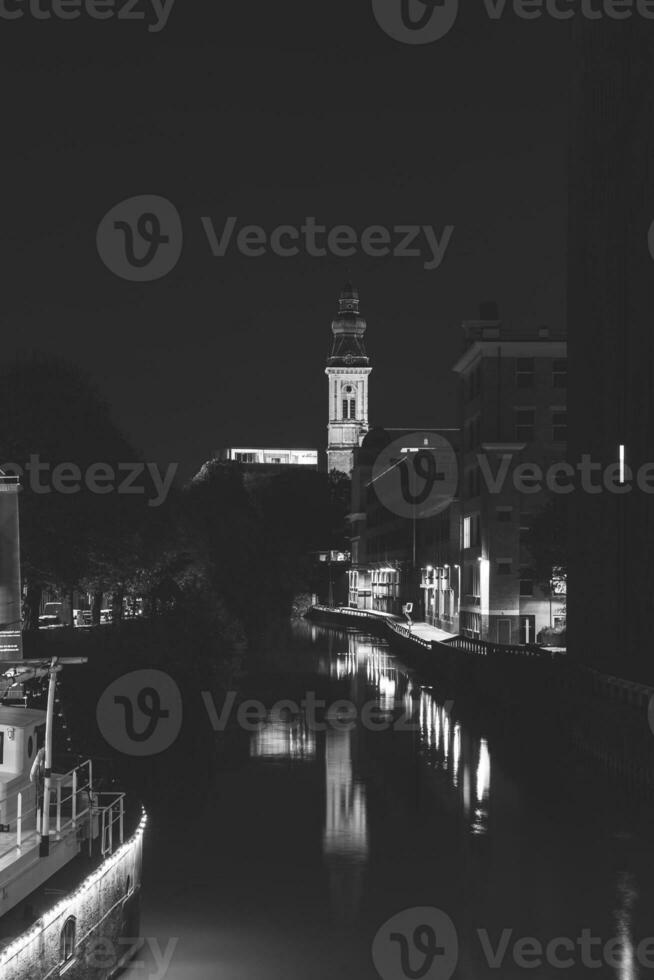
22 734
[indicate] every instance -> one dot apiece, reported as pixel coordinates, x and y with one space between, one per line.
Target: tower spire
348 329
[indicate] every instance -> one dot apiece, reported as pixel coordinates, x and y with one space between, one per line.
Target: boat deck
10 854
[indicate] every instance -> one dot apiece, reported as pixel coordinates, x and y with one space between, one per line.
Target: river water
307 842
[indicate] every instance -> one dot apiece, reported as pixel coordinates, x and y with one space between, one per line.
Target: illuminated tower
348 367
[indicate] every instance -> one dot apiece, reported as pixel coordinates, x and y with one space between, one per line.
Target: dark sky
272 112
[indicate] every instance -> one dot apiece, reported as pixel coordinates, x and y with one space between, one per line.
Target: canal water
311 835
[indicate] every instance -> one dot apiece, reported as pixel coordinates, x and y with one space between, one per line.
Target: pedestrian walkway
427 632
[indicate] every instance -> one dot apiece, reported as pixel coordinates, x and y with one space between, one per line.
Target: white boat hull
105 930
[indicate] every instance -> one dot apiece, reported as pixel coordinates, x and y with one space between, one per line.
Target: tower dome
348 328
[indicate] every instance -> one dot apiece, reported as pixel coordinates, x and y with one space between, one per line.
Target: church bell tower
348 367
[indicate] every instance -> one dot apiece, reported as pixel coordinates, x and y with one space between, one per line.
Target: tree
547 543
52 416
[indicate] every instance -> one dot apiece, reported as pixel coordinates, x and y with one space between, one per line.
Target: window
504 514
524 372
349 408
524 424
246 458
471 580
526 587
560 373
466 532
559 426
503 566
67 941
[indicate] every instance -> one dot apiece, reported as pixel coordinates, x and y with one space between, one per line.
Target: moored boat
70 850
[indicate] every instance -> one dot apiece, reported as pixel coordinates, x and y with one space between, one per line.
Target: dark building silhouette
611 341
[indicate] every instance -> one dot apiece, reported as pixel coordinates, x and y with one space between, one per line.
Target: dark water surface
306 842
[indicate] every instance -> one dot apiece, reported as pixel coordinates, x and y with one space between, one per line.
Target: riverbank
559 705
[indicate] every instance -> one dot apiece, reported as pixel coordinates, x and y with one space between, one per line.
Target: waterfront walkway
427 632
424 631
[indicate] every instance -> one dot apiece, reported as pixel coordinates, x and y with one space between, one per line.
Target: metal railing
111 815
26 815
485 648
409 635
349 611
80 781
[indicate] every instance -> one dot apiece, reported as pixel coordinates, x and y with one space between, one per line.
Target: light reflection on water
357 825
283 739
626 898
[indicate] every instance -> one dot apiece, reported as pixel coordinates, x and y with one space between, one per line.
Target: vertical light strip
621 463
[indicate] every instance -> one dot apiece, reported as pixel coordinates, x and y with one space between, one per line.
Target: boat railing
71 805
112 820
68 812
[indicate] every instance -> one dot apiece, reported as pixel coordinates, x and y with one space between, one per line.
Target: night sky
272 113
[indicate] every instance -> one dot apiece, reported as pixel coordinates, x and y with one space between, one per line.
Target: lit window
524 372
466 532
67 942
525 419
